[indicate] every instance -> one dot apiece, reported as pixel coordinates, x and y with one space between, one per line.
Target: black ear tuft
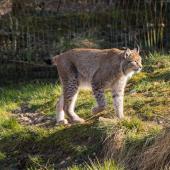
48 61
137 49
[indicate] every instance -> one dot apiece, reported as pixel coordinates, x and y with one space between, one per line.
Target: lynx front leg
118 105
118 95
99 95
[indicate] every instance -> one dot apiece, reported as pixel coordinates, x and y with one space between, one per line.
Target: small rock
48 121
103 119
62 162
160 122
39 119
50 118
25 119
76 161
149 69
36 114
132 91
160 65
68 158
17 111
28 115
21 115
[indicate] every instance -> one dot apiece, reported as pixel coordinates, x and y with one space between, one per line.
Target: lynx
98 69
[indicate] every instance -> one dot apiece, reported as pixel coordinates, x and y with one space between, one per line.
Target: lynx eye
130 61
135 62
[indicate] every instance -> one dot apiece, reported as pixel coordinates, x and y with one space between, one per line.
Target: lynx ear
127 53
137 49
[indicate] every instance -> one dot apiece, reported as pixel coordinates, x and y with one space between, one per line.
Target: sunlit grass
147 102
106 165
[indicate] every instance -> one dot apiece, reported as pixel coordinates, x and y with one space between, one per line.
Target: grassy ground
29 138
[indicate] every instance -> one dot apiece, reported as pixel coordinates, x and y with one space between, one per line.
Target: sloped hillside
29 138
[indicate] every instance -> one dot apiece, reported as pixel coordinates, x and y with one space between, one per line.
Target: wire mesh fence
31 30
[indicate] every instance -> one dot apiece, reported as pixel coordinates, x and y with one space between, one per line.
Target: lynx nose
140 66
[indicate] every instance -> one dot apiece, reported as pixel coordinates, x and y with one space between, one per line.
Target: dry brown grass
157 156
150 153
113 145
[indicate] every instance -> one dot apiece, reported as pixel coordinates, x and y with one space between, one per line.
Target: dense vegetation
33 30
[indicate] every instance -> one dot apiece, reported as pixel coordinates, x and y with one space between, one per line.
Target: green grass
147 102
107 164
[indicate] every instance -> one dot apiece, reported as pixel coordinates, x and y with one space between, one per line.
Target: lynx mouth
137 70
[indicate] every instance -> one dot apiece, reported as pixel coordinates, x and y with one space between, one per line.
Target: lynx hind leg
60 112
70 96
100 99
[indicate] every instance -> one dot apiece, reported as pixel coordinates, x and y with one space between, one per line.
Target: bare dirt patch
27 116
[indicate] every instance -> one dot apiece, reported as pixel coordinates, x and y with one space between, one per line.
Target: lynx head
131 61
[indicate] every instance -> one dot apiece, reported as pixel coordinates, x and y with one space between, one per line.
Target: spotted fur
98 69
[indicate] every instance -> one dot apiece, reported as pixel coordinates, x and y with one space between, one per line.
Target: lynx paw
77 120
97 109
121 116
62 122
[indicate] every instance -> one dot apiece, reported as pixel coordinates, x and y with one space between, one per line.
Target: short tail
48 61
51 61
